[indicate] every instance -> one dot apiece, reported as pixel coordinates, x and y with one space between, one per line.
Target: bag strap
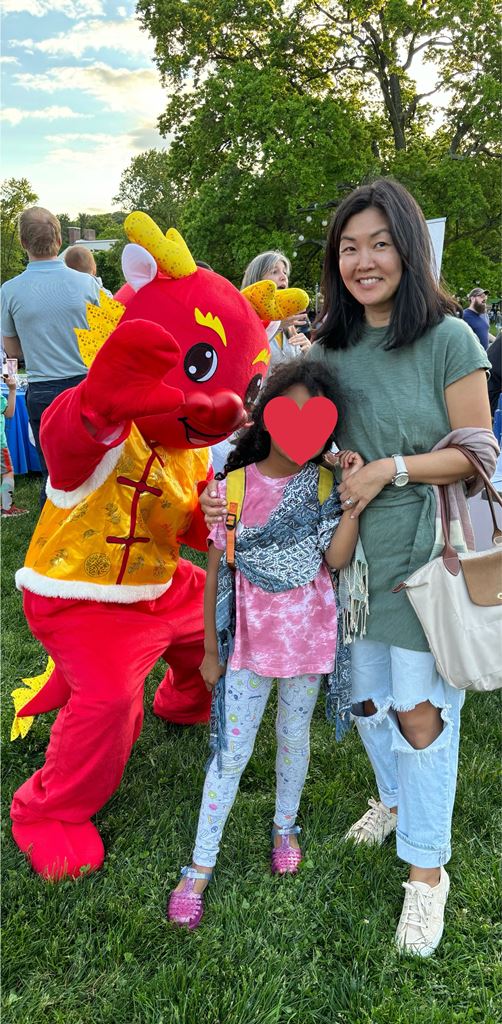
491 492
236 489
324 484
450 557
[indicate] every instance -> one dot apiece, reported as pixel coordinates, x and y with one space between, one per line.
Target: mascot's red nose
220 413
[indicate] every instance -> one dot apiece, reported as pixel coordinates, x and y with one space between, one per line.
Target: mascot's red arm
197 533
70 466
124 381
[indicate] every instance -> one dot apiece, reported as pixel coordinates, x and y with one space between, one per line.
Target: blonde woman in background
286 342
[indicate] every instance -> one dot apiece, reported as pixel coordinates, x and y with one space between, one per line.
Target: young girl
284 627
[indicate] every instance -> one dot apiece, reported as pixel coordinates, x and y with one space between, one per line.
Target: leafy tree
274 115
148 185
333 48
109 264
16 195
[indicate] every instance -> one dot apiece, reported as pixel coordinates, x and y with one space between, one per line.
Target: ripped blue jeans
420 782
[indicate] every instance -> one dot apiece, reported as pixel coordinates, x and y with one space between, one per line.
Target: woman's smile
370 265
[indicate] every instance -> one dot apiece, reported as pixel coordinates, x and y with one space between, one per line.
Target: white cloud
71 8
142 136
9 60
117 89
13 115
83 172
94 151
124 36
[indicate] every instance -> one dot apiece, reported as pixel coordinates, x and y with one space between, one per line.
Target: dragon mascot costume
173 362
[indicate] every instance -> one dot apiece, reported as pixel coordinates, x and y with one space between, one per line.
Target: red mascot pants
103 653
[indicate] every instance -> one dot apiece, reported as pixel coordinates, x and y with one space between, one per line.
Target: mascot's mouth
194 435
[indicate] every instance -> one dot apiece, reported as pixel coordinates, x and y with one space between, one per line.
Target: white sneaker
374 826
422 919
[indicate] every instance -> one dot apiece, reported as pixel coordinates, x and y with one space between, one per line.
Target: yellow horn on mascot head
170 251
273 303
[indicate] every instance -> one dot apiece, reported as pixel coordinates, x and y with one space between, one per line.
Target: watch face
400 480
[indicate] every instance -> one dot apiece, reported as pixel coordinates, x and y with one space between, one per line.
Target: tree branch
421 46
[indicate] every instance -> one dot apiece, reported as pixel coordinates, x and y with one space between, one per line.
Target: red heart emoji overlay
301 433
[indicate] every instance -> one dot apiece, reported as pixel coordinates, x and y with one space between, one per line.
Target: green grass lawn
315 949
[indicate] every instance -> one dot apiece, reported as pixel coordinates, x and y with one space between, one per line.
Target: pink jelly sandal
285 858
186 907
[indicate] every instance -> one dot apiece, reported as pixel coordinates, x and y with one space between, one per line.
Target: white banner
436 231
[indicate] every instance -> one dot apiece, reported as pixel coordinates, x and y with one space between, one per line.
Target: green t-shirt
3 436
392 402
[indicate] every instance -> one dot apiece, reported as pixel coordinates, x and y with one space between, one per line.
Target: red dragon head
224 351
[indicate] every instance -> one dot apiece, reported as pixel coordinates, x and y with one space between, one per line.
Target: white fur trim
46 586
138 265
68 499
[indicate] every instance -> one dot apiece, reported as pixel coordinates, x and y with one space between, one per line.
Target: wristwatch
401 478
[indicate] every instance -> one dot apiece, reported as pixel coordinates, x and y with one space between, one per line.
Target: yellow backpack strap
236 488
324 484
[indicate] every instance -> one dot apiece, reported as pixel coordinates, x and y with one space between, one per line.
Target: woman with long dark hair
410 377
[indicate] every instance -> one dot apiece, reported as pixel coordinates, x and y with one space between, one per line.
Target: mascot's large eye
253 390
201 362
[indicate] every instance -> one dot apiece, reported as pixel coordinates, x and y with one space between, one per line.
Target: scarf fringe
355 606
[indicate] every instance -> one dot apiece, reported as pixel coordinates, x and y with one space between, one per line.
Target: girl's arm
343 542
10 408
211 669
468 406
344 539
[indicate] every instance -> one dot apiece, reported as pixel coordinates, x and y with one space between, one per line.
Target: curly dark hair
253 442
420 303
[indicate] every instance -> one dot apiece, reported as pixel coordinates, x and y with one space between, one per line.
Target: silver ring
349 501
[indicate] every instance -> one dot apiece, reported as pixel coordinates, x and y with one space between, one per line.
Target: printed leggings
246 696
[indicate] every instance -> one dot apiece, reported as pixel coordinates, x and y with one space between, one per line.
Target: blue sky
81 97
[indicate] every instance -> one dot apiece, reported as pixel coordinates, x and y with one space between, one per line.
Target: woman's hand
213 508
362 485
211 670
299 340
295 320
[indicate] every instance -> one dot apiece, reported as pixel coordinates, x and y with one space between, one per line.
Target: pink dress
285 634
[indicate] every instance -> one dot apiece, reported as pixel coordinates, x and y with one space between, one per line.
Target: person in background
286 338
286 341
475 315
7 409
79 257
495 382
40 310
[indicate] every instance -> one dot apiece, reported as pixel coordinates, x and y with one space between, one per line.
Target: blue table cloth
22 452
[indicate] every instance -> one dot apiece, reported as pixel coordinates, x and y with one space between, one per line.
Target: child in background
274 619
7 409
78 257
